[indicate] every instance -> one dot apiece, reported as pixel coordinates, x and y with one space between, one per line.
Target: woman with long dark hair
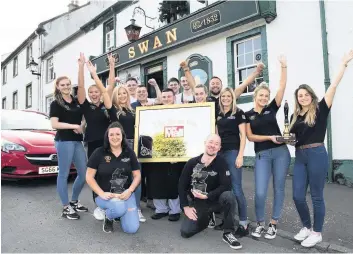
113 174
271 157
66 117
309 124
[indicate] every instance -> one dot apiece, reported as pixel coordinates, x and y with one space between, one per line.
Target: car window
24 120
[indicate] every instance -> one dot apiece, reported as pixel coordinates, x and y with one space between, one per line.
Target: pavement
31 222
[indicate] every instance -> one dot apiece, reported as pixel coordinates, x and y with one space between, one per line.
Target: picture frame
172 133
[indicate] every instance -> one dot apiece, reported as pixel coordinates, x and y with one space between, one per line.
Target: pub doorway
157 71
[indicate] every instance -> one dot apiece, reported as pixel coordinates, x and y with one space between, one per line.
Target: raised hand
260 67
82 60
92 68
348 57
152 82
184 64
283 60
111 60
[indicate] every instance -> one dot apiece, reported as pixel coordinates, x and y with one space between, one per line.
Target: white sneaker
99 213
303 234
312 240
259 230
141 217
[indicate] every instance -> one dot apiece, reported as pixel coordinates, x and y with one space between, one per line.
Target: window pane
242 75
240 48
241 61
248 46
249 59
257 43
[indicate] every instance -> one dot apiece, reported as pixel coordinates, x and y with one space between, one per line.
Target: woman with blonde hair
66 117
309 124
272 157
126 117
231 128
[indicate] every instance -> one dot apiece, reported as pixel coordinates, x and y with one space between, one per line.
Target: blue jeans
70 152
138 190
310 168
126 210
236 178
275 162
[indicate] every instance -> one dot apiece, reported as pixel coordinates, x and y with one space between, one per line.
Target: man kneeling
207 179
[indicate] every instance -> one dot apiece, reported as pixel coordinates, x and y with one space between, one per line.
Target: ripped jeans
126 210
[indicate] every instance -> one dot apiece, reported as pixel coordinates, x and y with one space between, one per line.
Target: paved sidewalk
338 227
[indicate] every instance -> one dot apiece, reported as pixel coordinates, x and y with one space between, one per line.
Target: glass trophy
198 179
118 181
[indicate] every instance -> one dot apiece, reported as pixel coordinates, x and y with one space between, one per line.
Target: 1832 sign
205 21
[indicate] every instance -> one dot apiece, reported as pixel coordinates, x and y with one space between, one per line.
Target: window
248 53
29 96
108 35
15 66
15 100
244 51
4 75
48 101
50 69
28 54
4 103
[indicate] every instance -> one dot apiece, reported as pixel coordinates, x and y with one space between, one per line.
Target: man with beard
210 173
142 95
163 179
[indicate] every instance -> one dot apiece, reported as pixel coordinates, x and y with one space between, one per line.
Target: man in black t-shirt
210 173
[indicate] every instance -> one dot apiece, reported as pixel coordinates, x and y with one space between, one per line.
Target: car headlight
7 146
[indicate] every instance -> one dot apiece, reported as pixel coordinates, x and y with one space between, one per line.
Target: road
31 222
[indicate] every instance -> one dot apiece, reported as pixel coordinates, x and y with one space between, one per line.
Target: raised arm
188 75
249 80
81 92
111 78
283 81
330 93
153 83
106 98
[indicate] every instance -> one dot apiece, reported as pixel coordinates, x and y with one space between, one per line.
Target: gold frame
190 105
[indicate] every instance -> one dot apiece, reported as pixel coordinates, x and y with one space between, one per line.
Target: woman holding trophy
272 157
113 174
309 124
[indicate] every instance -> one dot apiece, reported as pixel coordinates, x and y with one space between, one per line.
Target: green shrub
168 147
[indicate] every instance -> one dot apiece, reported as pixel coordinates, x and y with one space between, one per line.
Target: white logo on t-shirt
125 159
267 112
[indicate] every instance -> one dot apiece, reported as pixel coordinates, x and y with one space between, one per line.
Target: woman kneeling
113 174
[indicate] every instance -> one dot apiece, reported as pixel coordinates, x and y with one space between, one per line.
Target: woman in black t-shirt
66 117
231 128
98 114
113 174
126 117
309 123
272 158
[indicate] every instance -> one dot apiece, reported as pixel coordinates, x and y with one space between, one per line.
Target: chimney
73 5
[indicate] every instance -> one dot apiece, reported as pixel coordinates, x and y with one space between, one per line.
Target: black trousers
204 208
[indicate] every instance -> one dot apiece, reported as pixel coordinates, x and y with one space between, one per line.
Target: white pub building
221 38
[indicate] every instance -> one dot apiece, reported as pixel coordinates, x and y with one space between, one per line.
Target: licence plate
48 170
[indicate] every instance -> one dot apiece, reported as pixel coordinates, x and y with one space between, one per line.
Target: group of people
107 121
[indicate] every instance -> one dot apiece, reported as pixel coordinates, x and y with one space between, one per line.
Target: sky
19 18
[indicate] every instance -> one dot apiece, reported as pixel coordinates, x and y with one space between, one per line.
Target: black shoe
219 226
271 231
117 220
78 207
108 225
70 213
150 204
174 217
158 216
212 221
232 241
241 231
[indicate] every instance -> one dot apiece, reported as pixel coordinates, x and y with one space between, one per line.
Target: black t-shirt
97 119
305 134
107 164
218 179
71 113
264 124
216 104
228 129
127 120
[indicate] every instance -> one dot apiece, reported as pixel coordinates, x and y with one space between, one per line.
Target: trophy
198 179
287 137
118 181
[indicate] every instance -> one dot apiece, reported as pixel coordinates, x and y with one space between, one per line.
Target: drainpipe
327 83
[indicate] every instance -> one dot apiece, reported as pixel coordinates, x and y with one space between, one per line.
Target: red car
27 145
